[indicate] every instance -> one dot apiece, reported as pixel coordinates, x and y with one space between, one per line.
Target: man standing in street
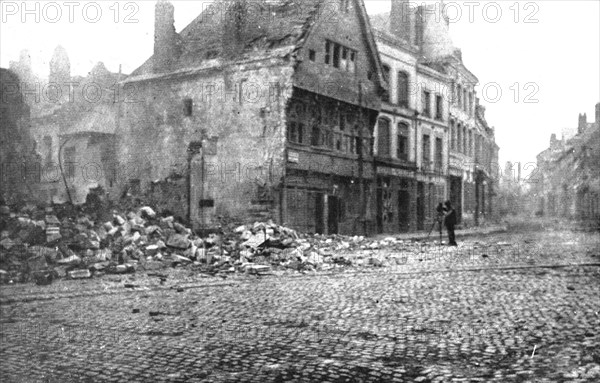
450 222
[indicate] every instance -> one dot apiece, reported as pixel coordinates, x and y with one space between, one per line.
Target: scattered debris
42 244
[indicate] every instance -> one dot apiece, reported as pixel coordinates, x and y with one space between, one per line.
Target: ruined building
17 148
72 125
255 111
567 181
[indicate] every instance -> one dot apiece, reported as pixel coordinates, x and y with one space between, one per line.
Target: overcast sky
550 48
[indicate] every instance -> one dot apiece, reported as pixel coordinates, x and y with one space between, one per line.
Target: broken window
188 107
344 61
402 147
340 56
352 62
403 89
383 139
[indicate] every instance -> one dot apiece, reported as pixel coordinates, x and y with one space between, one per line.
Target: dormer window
340 56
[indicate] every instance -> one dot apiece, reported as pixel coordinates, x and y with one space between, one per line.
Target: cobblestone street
468 315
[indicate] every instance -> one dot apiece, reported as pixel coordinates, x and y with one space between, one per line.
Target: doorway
333 214
319 216
420 206
403 210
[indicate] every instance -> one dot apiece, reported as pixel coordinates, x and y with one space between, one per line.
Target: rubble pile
43 244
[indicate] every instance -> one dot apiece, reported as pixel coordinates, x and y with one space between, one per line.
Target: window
439 108
470 103
69 162
336 55
426 151
459 96
439 147
345 6
48 149
470 143
459 138
427 103
383 139
312 55
464 143
403 89
345 57
465 101
402 147
352 62
297 119
386 75
315 138
340 56
452 135
188 107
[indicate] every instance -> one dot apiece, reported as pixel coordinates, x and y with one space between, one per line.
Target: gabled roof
269 28
269 25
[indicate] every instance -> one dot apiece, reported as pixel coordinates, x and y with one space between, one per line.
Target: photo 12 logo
488 11
72 11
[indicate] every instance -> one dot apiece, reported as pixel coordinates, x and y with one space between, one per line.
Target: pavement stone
440 323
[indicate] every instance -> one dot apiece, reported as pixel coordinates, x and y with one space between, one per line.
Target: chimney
165 37
402 20
598 114
553 141
582 123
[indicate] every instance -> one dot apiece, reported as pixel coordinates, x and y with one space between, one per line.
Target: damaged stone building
258 110
17 147
302 112
567 182
432 139
73 123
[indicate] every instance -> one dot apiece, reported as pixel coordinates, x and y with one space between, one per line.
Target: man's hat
448 204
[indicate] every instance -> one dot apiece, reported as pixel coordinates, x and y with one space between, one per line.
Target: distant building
568 182
73 121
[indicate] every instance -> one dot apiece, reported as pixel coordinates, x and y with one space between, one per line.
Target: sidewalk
421 235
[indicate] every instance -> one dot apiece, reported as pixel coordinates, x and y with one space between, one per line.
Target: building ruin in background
567 182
